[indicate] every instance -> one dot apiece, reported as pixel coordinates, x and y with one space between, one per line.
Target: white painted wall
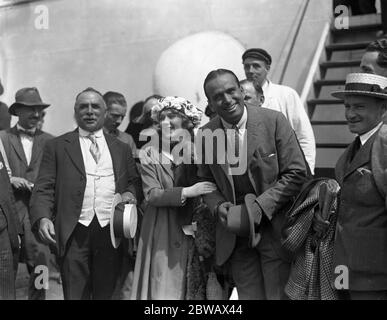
115 45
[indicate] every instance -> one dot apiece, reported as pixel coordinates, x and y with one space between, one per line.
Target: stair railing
315 63
294 39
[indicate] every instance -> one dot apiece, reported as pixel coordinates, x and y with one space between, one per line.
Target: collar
25 131
266 84
365 136
114 132
241 124
84 133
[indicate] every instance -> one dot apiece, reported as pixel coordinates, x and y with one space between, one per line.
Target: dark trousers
259 273
8 267
90 266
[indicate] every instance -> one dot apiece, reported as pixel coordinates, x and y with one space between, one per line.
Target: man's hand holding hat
128 197
222 211
243 220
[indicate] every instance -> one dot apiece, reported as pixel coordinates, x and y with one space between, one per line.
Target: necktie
114 132
356 147
235 151
94 150
30 133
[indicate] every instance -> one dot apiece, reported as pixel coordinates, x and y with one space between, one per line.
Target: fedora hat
240 219
363 84
29 97
123 220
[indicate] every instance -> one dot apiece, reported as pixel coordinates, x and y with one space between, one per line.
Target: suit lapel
37 147
17 145
115 153
222 160
253 137
362 157
73 149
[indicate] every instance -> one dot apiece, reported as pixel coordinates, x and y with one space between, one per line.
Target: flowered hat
193 113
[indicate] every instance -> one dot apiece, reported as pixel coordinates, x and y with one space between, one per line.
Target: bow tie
30 133
114 132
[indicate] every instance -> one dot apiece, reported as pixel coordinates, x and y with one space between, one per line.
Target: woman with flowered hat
169 186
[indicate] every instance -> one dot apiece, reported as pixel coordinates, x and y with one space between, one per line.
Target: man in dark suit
361 232
23 146
79 175
9 240
271 166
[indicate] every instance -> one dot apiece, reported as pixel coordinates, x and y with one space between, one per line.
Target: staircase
343 52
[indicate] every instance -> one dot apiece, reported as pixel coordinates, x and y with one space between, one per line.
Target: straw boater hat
123 220
29 97
363 84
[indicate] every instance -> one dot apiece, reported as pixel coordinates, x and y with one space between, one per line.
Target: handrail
315 63
11 3
295 36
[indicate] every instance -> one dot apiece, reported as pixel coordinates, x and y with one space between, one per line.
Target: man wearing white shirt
23 145
281 98
361 230
72 199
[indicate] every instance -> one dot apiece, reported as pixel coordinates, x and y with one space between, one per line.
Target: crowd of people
250 216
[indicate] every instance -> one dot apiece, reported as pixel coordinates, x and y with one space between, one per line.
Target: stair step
313 102
322 123
332 82
359 28
331 145
340 64
346 46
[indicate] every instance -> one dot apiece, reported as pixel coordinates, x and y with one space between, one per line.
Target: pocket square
363 171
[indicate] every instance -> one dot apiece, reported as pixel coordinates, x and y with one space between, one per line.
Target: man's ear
243 92
268 67
262 99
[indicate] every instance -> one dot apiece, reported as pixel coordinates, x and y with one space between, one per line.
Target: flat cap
257 53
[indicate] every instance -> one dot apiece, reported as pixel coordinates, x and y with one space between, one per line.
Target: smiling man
80 173
275 172
361 231
23 145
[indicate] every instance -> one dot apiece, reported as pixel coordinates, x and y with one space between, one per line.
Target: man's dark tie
236 137
114 132
356 147
26 132
235 151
